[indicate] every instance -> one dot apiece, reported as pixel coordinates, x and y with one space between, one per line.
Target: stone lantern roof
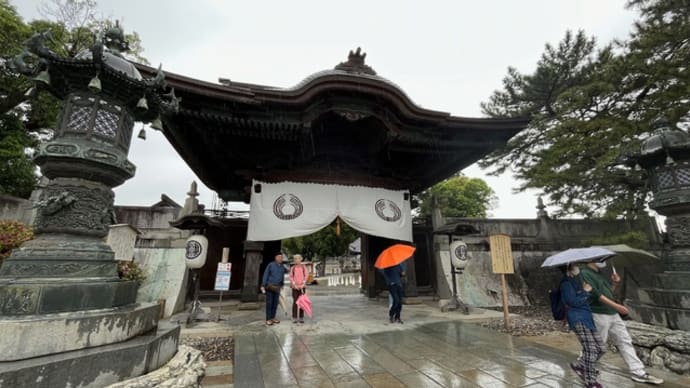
100 69
666 145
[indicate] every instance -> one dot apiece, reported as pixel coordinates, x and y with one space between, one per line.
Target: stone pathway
349 344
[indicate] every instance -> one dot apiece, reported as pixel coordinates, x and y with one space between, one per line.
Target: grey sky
446 55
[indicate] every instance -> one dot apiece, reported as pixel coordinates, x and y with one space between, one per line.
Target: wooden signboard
502 263
501 254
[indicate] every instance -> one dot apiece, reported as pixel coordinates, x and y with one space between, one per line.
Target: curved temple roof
347 125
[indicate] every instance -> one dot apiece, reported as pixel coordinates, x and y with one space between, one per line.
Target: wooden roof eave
202 88
308 92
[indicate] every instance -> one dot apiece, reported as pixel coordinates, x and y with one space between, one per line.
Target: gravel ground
214 348
533 321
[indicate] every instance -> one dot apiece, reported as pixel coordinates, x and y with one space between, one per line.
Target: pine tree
589 104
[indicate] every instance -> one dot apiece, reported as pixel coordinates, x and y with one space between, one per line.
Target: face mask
600 265
575 271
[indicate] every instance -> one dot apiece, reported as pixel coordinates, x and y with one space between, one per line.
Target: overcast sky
446 55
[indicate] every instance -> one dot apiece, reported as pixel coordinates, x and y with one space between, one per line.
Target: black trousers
295 294
396 292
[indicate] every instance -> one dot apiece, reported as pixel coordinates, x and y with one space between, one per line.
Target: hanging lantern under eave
337 226
142 104
669 160
157 124
142 134
95 84
43 77
31 92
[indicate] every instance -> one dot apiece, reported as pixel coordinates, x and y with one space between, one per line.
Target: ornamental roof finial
541 213
355 63
115 40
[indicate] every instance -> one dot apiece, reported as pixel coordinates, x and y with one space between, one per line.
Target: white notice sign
223 277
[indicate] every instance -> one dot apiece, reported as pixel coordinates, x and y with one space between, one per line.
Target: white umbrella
575 255
282 300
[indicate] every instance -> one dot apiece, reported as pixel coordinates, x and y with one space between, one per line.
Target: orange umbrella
394 255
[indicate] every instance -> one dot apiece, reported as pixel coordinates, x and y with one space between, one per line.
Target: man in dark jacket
393 276
271 284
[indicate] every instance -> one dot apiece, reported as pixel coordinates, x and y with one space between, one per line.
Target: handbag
273 288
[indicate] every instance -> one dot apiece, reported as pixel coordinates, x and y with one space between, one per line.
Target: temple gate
347 126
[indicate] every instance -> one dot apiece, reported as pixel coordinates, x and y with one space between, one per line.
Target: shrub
12 235
129 270
634 239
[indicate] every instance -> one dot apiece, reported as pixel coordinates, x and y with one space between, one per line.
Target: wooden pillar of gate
253 256
410 278
368 270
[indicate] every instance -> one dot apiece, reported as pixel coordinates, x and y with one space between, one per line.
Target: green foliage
324 243
458 196
17 170
25 119
12 235
130 270
634 239
589 104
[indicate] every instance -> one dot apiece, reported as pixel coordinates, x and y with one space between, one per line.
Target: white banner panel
288 209
377 212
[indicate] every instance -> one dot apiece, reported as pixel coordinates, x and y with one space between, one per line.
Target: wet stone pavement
431 353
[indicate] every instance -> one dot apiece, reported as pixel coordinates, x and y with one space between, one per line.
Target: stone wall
661 347
159 250
533 240
558 233
16 209
166 277
153 222
478 286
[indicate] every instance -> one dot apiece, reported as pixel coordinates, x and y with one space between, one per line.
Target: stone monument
666 158
60 292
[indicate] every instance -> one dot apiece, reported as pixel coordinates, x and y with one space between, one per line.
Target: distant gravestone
121 238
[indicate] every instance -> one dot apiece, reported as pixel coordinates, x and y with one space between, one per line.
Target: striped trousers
592 350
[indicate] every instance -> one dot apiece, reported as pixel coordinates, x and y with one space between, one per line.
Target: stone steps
664 297
673 280
672 317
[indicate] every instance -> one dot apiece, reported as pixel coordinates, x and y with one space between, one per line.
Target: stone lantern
666 158
60 291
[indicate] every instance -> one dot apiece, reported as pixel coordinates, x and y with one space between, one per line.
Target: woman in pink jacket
298 282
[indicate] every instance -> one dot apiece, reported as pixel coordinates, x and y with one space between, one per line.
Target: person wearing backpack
575 297
298 283
605 312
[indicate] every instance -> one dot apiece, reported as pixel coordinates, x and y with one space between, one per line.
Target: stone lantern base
94 367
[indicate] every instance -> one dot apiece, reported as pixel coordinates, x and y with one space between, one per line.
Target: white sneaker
647 378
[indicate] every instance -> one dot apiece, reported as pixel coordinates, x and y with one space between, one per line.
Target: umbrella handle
614 269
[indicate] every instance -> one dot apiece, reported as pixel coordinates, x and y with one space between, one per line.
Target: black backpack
559 310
